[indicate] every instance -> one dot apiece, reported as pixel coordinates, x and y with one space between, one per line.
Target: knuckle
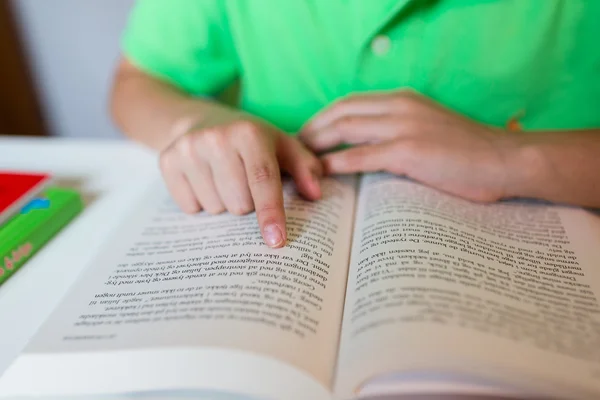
186 145
246 130
167 161
261 173
214 140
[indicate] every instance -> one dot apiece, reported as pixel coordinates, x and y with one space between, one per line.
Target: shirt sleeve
185 42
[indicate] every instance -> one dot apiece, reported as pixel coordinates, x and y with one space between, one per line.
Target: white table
110 175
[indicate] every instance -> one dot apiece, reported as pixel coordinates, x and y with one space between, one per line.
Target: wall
73 46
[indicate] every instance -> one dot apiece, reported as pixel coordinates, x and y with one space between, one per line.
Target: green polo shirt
488 59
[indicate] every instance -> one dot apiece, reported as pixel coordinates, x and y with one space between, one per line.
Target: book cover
28 231
17 189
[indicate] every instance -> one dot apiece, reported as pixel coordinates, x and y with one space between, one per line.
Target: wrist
526 166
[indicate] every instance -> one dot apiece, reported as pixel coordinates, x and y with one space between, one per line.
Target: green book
28 231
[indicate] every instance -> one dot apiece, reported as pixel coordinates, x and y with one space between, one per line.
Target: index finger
264 181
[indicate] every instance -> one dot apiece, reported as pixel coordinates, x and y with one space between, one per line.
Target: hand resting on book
407 133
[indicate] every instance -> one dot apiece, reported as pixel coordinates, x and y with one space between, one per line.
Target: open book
385 287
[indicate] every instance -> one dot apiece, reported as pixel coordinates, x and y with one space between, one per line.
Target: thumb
304 167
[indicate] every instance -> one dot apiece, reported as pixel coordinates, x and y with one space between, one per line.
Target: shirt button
381 45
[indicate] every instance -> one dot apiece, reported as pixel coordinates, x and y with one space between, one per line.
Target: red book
17 189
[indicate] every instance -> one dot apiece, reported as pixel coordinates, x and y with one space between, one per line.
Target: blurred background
57 60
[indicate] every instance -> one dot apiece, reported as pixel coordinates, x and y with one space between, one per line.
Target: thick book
17 189
30 229
385 287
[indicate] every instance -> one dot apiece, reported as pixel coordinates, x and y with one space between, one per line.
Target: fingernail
273 235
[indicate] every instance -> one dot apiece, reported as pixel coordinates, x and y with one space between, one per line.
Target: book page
200 283
506 292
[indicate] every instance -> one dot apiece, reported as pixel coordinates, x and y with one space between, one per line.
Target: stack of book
32 211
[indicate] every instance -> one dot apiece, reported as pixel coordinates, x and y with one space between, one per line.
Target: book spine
13 259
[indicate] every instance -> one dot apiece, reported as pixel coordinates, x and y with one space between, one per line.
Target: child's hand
236 167
406 133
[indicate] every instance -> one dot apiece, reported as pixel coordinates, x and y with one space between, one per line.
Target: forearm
154 112
562 167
